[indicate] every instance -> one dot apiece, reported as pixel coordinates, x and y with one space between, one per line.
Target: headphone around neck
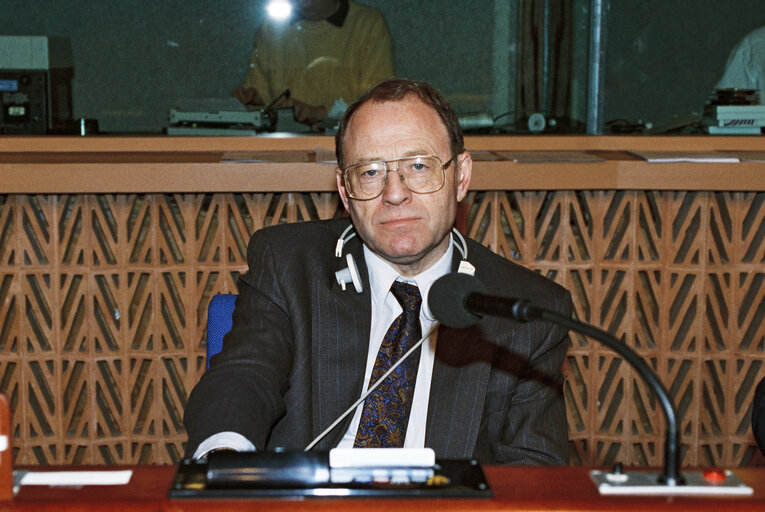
350 274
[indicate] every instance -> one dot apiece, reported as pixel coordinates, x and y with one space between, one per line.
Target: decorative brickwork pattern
103 302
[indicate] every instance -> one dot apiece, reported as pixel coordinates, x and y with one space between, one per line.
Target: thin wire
371 388
345 232
461 246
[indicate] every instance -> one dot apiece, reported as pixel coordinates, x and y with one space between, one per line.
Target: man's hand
308 114
247 96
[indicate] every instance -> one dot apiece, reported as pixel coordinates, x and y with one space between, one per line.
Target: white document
77 478
687 156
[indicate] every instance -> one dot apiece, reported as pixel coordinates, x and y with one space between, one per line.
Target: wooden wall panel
103 303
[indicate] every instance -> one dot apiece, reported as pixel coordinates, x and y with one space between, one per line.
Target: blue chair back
758 415
218 322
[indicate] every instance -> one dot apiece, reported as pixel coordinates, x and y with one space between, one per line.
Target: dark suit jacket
295 357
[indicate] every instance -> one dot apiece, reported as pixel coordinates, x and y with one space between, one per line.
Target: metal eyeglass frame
388 170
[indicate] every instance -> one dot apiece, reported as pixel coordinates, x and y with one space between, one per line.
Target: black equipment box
35 85
308 474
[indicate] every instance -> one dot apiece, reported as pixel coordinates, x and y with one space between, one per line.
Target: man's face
316 10
407 229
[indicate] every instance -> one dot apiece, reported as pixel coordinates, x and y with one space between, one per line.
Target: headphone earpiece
350 274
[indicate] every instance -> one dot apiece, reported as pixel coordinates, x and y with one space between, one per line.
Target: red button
715 475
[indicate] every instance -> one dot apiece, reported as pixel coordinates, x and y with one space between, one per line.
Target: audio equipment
536 122
36 75
350 274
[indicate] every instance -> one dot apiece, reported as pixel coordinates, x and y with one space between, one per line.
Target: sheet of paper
548 156
265 156
325 155
484 156
686 156
77 478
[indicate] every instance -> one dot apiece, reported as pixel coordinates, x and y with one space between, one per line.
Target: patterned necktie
385 415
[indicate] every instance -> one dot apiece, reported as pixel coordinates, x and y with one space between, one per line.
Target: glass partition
507 66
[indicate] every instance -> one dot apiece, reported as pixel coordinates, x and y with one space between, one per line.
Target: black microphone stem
284 94
457 300
671 475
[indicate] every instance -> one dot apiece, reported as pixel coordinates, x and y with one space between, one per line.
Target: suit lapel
341 344
458 389
458 392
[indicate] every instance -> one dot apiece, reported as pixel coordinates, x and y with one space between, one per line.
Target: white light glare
279 10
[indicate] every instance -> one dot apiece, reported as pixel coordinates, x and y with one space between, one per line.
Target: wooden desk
106 165
515 488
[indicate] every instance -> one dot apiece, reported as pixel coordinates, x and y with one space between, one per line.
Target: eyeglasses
420 174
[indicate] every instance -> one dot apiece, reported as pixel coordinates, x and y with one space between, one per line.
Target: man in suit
303 347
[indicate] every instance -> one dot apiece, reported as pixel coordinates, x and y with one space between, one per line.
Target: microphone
456 300
285 94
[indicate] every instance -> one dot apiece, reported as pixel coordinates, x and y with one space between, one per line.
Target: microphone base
313 474
713 482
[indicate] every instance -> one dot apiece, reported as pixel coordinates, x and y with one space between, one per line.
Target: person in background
745 68
328 55
303 346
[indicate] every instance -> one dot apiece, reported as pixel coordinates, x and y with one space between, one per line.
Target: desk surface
515 488
106 165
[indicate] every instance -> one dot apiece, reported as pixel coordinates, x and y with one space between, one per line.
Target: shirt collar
338 18
382 275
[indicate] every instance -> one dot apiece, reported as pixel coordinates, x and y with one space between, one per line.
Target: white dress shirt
385 309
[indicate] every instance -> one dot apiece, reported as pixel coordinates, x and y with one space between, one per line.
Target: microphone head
447 296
